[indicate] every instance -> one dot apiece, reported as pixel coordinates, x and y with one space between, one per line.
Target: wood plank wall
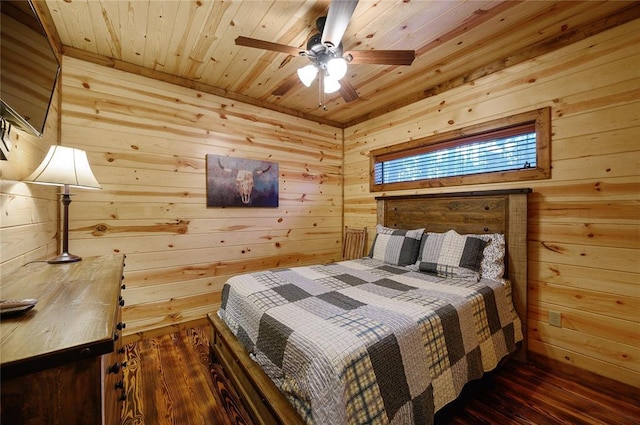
28 212
584 222
146 141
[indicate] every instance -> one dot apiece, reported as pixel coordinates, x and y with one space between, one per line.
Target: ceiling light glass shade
331 85
65 166
337 68
307 74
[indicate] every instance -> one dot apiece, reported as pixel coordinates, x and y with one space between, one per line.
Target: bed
389 338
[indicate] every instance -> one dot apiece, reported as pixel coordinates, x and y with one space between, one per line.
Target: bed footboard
258 393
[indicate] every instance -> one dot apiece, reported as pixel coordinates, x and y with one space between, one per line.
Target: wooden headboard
501 211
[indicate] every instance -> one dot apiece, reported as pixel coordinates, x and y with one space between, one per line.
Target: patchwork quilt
365 342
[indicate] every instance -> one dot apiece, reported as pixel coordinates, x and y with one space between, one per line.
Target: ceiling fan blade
382 57
286 85
347 91
340 12
267 45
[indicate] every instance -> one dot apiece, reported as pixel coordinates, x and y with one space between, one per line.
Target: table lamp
66 167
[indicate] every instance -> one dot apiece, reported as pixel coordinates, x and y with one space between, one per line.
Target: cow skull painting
241 182
244 180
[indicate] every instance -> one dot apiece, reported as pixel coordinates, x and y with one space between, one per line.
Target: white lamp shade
65 166
307 74
331 85
337 68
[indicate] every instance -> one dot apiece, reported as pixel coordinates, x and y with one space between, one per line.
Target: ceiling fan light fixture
331 85
337 68
307 74
326 52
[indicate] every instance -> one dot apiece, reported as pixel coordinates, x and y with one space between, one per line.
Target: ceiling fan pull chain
321 91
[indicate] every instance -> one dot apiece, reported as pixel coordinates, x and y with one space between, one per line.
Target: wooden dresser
61 362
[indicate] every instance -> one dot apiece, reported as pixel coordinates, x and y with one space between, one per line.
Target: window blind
514 149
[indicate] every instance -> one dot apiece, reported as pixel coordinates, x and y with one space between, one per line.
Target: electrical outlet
555 319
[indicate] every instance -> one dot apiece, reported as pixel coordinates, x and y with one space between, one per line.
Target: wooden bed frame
503 211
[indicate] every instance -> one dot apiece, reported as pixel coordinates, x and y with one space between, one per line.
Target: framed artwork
236 182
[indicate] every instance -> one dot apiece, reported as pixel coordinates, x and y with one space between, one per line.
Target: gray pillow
451 255
396 246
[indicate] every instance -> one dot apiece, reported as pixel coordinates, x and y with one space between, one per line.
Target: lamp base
65 257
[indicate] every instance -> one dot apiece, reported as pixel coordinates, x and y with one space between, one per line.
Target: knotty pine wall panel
584 225
147 141
28 212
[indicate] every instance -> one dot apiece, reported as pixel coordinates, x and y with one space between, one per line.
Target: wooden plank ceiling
192 43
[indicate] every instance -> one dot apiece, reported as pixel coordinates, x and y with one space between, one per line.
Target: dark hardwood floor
170 380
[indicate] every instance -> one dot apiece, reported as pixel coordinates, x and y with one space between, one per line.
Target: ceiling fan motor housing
314 44
318 52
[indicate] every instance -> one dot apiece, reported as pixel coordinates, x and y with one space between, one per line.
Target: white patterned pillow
492 266
396 246
451 255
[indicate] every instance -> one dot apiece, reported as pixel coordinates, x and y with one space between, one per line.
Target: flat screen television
29 67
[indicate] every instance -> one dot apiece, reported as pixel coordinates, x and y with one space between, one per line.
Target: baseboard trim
154 332
589 379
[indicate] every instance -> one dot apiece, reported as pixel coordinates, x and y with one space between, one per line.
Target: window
509 149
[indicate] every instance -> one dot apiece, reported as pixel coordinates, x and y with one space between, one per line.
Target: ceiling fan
328 61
